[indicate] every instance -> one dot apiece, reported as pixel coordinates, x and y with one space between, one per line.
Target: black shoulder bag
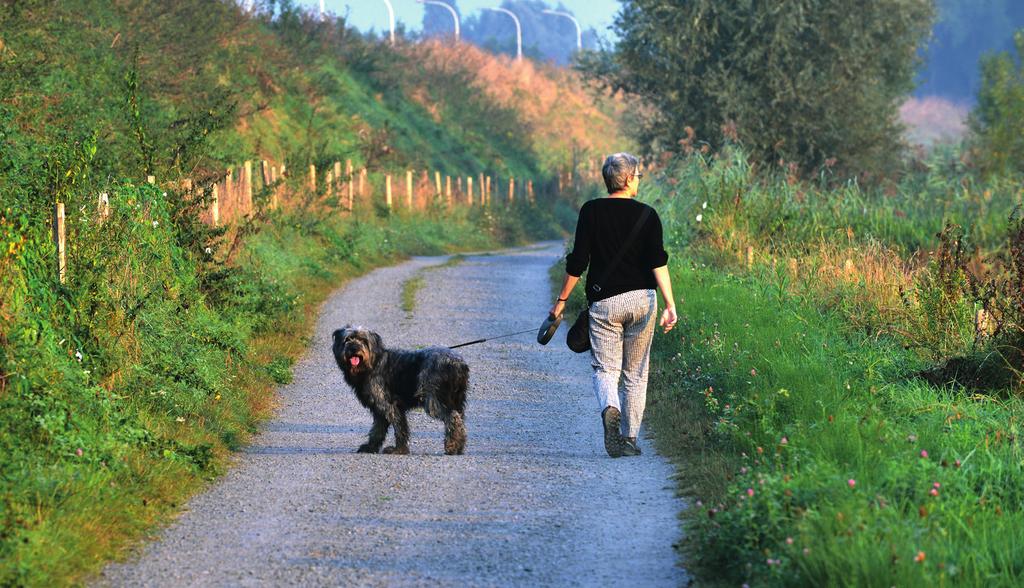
578 337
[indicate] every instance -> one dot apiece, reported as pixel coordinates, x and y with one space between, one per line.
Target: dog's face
356 349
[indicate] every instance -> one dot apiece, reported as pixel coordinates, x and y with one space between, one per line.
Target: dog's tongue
354 360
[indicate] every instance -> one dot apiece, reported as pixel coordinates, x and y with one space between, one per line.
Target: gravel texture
535 500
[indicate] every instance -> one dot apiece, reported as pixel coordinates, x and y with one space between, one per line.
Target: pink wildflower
750 491
924 454
79 452
933 492
851 482
784 441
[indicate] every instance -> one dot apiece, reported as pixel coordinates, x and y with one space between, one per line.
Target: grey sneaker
631 448
614 444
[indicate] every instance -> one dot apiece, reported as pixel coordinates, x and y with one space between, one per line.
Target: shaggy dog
390 382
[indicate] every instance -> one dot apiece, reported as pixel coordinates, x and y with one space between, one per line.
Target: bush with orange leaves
567 120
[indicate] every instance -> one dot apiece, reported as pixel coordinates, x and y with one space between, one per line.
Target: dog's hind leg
401 425
454 433
378 432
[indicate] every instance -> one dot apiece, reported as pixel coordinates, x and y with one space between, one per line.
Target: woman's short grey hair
618 170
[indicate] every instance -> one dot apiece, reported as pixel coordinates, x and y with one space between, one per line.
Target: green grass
410 288
760 393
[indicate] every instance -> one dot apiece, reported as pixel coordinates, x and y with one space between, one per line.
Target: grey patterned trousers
621 329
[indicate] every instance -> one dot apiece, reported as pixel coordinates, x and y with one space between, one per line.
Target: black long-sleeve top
604 225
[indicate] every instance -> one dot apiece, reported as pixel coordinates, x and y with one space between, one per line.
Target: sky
372 14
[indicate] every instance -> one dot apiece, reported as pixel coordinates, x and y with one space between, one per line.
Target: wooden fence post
103 206
351 184
60 241
362 182
750 257
437 183
487 192
273 195
329 183
529 191
229 192
337 179
448 189
425 182
265 172
247 190
215 207
458 187
312 178
387 189
511 189
408 188
469 190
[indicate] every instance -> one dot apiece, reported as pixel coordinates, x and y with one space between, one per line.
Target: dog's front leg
401 425
378 432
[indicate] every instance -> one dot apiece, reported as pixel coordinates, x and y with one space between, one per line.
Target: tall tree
797 81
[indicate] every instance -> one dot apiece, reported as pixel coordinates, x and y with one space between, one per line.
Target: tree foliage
998 120
799 81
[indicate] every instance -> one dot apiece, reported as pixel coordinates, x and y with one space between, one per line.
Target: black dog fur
390 382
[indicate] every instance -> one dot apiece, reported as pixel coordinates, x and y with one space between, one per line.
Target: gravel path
535 500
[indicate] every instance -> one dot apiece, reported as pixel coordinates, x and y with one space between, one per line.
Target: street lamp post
519 31
455 15
391 19
579 33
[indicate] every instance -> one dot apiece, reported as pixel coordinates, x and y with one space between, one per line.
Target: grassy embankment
123 390
792 396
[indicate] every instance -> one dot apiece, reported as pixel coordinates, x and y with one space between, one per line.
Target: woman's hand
557 309
668 318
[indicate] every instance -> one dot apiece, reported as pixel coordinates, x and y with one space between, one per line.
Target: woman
623 307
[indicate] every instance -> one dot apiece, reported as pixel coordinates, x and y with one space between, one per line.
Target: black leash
491 339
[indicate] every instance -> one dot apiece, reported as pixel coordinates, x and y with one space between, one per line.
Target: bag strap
596 286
